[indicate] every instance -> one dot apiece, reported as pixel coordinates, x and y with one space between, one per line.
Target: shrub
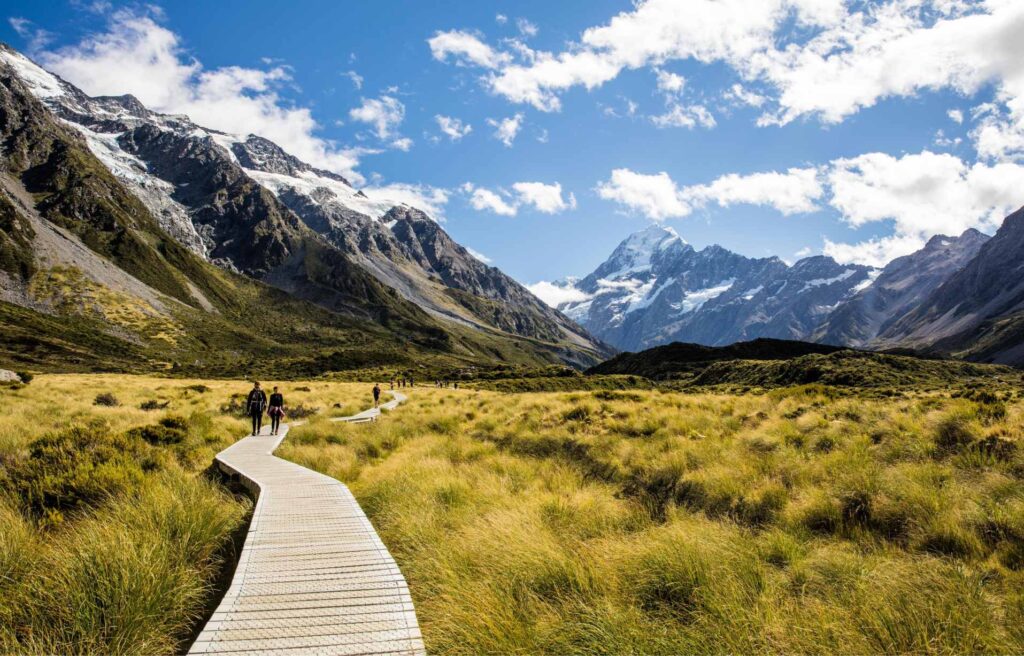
301 411
78 467
200 388
153 404
954 433
106 399
25 377
170 430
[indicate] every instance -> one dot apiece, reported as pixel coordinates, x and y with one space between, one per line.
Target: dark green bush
170 430
78 467
106 399
153 404
25 377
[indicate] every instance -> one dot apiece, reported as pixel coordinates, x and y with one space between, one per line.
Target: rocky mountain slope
978 312
220 198
117 216
901 286
655 289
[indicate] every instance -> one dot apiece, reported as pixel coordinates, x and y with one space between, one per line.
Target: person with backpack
376 395
255 404
276 411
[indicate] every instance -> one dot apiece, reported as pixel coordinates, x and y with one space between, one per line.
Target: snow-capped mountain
244 204
655 289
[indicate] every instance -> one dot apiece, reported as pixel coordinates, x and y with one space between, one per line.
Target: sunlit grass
651 522
111 533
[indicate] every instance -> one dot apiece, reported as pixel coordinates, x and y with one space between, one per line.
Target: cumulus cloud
555 294
526 28
792 192
543 197
453 128
684 116
921 195
486 200
139 56
506 129
955 115
546 198
851 56
669 83
658 197
431 200
465 49
384 114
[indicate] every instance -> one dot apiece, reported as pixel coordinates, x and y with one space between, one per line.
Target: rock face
899 288
655 289
247 206
978 312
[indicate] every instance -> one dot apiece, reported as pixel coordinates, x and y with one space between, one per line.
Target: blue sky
771 127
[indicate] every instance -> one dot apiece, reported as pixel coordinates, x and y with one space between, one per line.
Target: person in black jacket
275 411
254 407
376 395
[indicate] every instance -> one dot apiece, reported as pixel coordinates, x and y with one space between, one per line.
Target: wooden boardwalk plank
313 576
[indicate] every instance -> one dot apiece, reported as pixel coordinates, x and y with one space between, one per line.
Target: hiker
255 404
392 383
276 411
376 395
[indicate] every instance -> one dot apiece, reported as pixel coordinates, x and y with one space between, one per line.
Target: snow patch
40 82
693 301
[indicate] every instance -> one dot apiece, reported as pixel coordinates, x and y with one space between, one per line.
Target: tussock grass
111 532
798 521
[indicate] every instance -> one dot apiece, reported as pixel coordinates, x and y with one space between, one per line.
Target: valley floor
608 521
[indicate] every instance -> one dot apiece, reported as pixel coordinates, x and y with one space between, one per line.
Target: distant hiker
276 411
376 395
255 404
392 383
456 385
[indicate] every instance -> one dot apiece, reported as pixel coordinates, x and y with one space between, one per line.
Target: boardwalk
313 577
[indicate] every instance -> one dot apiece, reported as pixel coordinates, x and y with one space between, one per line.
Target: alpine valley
130 236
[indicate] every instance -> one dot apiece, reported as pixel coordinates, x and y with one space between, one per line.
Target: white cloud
669 83
465 48
804 252
792 192
454 128
35 38
554 294
478 255
655 196
486 200
431 200
844 57
740 95
137 55
357 79
526 28
506 129
688 116
403 143
955 115
500 19
546 198
658 197
384 114
921 195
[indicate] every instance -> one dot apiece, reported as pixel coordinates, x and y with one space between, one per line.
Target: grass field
612 522
111 531
604 521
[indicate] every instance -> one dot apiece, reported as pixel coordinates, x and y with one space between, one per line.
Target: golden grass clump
798 521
